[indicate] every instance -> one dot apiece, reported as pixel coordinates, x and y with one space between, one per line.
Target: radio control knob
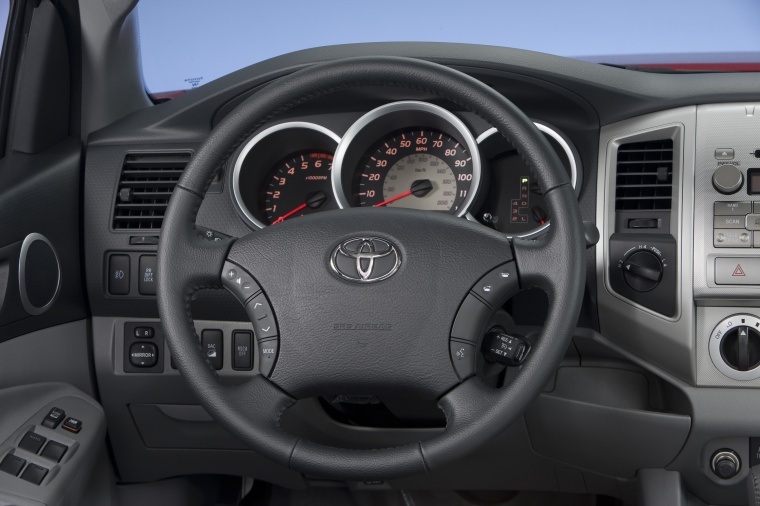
727 179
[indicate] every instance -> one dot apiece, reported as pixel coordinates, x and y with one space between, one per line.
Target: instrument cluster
409 154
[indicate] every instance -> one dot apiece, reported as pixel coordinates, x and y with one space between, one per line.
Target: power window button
32 442
12 464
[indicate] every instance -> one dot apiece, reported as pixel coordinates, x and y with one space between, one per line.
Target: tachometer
298 185
417 169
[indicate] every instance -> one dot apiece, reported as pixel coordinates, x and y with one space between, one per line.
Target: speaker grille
41 274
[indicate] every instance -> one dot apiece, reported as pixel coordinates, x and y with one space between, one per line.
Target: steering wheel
400 335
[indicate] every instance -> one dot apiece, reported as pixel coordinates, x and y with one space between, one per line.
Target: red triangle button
738 271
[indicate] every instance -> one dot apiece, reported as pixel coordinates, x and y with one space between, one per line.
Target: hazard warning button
737 271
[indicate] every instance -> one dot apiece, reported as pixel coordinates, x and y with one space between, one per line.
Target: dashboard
664 166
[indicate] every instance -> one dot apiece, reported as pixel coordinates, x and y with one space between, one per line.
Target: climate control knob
642 270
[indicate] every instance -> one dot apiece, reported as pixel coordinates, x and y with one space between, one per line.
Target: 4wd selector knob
642 270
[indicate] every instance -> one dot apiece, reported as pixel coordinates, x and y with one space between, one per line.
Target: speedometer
409 154
417 169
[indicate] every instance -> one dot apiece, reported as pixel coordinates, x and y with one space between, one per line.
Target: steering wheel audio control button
261 315
240 283
498 285
268 355
470 320
463 358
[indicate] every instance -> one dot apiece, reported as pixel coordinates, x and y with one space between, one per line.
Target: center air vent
146 183
644 176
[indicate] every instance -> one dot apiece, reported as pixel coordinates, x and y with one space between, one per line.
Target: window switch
34 474
12 464
53 418
72 425
54 451
32 442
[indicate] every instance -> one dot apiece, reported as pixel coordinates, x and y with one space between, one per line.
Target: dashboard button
732 208
242 350
143 354
146 282
732 238
752 222
724 154
728 222
53 418
496 286
213 347
118 275
737 271
268 355
463 358
470 319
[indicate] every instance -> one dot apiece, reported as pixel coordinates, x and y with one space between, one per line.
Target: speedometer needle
419 188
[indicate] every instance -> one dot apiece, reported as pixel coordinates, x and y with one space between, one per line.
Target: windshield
185 44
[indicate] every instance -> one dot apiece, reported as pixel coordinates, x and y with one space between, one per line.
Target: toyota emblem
365 259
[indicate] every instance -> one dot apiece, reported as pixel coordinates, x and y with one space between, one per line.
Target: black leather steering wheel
404 348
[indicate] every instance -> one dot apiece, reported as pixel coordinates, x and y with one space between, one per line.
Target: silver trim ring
716 338
28 307
406 105
249 146
565 147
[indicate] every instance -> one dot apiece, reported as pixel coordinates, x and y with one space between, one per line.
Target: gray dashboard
656 362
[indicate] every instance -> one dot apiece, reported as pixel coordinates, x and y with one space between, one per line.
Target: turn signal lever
506 349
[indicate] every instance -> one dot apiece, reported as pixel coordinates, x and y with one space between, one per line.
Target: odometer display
418 168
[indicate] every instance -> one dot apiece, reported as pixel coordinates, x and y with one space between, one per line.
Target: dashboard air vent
644 176
146 183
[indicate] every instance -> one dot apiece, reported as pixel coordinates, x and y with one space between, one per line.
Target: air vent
146 183
644 176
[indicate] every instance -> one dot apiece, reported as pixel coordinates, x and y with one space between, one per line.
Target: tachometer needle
419 188
313 201
288 215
